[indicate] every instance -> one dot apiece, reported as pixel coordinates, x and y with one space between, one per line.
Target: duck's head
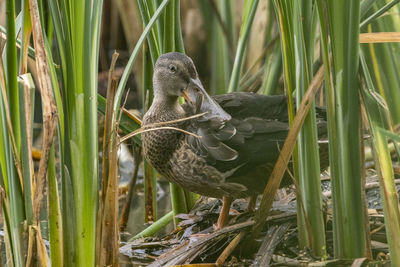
175 75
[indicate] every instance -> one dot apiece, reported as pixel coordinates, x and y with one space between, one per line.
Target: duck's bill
186 96
196 92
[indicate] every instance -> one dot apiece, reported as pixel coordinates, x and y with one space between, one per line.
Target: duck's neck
166 101
160 144
168 108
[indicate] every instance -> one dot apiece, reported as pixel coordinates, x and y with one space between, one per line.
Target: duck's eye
172 68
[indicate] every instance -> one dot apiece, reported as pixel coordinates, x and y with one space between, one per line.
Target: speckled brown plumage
159 146
170 154
240 136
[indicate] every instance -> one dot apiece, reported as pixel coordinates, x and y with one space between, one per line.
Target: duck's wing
245 148
246 140
243 151
241 105
238 142
244 104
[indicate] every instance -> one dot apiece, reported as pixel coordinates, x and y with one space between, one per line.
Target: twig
174 121
133 117
31 241
271 240
165 259
141 130
230 248
49 107
123 106
377 229
107 229
144 128
41 255
379 37
280 166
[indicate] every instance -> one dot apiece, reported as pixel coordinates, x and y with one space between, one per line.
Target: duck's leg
224 214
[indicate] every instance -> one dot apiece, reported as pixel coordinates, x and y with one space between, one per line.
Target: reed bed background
58 49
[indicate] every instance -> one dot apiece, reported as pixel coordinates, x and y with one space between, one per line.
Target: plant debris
195 243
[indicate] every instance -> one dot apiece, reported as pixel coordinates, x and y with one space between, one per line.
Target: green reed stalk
311 222
379 122
11 179
26 91
78 52
349 212
217 17
273 70
297 53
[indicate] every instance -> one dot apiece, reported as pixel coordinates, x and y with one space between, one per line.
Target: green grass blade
169 28
249 11
379 13
14 196
155 227
179 46
153 39
11 71
54 212
365 6
13 192
383 163
26 145
312 234
220 61
273 70
25 36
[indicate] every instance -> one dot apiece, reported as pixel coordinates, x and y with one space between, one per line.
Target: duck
229 149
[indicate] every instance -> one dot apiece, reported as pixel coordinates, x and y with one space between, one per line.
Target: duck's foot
224 214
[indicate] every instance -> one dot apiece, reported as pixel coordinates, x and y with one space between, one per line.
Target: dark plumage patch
257 130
